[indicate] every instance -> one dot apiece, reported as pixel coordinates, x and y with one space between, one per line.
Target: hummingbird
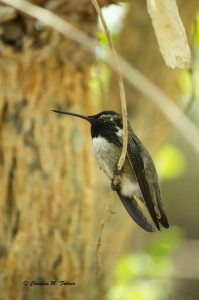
138 177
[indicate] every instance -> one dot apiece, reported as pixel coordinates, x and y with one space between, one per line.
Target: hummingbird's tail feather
163 218
135 212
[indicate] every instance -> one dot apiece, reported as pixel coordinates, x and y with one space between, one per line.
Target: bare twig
107 212
157 96
121 87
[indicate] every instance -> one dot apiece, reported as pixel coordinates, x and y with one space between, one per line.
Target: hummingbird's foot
115 183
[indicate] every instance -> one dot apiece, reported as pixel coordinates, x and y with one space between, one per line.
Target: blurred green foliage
185 82
195 32
145 275
188 79
170 162
99 82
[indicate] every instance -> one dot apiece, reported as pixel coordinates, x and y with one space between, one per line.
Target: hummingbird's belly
129 186
106 154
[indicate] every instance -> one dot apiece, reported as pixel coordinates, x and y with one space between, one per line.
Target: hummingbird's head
108 123
102 124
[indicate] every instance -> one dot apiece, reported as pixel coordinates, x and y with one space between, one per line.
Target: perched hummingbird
138 178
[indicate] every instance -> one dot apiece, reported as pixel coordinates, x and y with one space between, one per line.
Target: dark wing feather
163 218
135 156
135 212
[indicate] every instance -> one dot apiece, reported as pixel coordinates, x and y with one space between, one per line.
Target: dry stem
107 212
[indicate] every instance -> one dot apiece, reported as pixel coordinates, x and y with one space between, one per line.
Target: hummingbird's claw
115 183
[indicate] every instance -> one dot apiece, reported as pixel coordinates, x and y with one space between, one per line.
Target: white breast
102 151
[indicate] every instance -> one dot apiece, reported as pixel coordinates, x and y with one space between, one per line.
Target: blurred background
53 195
164 266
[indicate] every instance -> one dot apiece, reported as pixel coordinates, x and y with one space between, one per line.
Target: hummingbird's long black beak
89 119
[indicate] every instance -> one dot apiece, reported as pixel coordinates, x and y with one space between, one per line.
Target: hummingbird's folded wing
135 156
135 212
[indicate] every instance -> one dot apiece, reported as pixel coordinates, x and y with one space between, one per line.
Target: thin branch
121 87
134 77
107 212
